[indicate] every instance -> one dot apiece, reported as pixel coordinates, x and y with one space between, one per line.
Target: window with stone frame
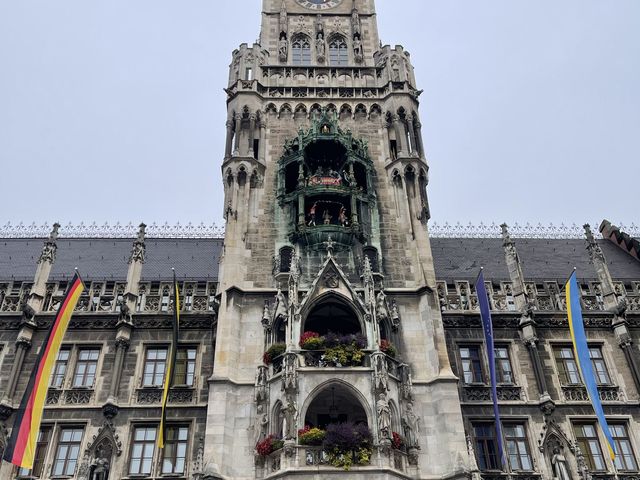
185 370
338 51
301 50
42 445
504 371
486 446
586 434
471 363
84 375
155 365
67 452
568 366
625 460
174 454
143 445
60 368
517 446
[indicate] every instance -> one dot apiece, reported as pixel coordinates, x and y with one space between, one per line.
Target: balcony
578 393
482 393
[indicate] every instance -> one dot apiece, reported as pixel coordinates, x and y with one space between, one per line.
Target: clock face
319 4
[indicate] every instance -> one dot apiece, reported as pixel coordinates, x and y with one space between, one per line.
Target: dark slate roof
197 259
106 258
542 259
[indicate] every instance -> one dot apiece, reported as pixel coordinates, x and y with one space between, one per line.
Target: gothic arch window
361 111
285 110
277 418
271 109
338 51
375 110
278 332
345 112
332 315
286 254
372 254
301 50
315 110
301 111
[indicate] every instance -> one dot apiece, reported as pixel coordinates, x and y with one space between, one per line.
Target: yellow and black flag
171 364
21 447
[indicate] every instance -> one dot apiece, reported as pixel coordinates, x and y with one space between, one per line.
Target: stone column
236 143
229 139
263 141
418 133
23 343
412 136
613 304
252 127
125 323
527 325
397 126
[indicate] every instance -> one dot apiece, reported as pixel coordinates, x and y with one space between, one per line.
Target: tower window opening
332 316
286 254
248 73
338 52
393 147
301 51
256 148
335 404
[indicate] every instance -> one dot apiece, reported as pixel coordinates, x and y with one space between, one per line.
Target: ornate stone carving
139 249
78 397
380 372
384 417
411 426
578 393
53 396
482 393
50 247
331 279
148 396
261 393
290 372
290 417
406 385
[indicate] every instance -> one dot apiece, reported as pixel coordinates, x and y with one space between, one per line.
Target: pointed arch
315 110
277 419
300 49
360 111
375 111
300 111
271 109
338 50
356 394
285 110
331 308
345 111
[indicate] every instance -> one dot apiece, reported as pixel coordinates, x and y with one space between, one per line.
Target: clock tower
330 351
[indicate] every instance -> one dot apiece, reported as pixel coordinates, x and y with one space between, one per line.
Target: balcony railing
578 393
482 393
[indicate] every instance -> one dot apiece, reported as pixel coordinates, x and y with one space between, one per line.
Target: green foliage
346 459
344 355
311 436
274 351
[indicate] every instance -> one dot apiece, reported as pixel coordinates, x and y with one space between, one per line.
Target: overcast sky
113 110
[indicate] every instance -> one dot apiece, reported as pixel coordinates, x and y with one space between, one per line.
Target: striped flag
487 328
579 338
21 447
171 364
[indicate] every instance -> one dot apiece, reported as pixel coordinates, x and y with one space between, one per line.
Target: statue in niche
342 217
320 47
326 217
261 384
290 416
559 464
382 311
395 316
407 383
263 424
100 468
281 310
283 45
290 377
357 48
381 372
319 25
411 425
312 215
384 416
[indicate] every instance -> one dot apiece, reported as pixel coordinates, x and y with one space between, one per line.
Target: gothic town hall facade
330 332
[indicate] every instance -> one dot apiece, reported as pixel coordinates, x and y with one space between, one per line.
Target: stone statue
320 47
261 384
411 425
290 376
382 312
381 372
559 464
407 383
357 47
384 416
263 424
100 467
395 316
266 314
283 45
282 308
290 416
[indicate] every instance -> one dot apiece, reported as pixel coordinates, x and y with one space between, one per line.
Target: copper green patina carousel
325 184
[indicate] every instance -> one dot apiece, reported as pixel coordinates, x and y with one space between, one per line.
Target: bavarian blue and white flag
487 328
581 349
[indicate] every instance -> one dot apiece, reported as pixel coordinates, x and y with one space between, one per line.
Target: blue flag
579 338
487 328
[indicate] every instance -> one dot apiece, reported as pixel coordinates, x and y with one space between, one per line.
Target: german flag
171 364
21 447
